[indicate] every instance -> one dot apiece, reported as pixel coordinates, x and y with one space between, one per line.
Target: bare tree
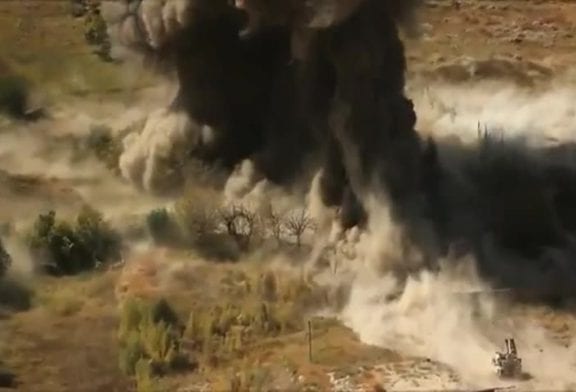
204 221
275 220
240 223
297 223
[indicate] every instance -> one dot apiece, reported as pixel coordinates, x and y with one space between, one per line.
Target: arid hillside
119 289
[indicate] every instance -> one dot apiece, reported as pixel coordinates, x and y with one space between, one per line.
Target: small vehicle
508 364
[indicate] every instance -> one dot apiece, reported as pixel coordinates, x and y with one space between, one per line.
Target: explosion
297 90
300 114
312 84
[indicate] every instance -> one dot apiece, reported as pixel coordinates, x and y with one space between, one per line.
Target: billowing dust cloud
542 116
152 156
449 318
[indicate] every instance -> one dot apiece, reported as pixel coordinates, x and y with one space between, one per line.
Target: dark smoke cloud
237 89
321 79
298 86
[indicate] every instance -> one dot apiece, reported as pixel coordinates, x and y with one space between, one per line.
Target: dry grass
67 296
43 43
246 325
67 342
469 31
282 362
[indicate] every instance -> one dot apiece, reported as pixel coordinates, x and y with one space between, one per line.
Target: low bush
149 334
162 228
61 248
15 295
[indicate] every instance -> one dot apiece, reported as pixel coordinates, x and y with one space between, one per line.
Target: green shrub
60 248
149 332
161 312
162 228
130 318
144 377
130 353
101 242
160 344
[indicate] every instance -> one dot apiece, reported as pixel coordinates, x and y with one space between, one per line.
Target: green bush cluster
149 338
63 248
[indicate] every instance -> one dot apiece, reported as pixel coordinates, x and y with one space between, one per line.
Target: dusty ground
538 31
67 344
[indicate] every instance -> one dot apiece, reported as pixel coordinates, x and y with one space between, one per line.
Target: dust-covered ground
471 72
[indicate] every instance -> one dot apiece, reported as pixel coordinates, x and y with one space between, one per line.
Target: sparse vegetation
245 318
150 340
259 307
229 231
61 248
